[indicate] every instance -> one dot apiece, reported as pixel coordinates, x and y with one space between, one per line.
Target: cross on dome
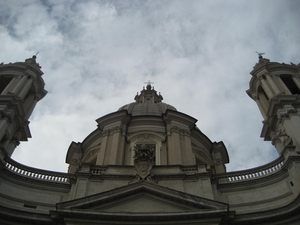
148 87
148 82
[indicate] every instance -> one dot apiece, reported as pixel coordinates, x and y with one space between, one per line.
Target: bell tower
275 87
21 87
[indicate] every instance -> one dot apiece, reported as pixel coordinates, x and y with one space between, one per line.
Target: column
296 80
29 105
19 86
26 88
272 83
260 106
286 90
266 88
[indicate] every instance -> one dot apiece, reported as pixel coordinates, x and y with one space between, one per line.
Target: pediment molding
146 190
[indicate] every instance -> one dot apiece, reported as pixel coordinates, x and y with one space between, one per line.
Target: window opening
290 84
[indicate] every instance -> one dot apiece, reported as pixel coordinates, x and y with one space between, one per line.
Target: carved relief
75 162
217 158
282 137
6 115
111 131
286 114
180 130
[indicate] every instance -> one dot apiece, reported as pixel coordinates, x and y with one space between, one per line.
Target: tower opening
290 84
4 81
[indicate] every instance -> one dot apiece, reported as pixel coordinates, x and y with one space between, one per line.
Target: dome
147 108
148 102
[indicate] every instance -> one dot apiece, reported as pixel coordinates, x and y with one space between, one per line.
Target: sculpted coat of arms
143 161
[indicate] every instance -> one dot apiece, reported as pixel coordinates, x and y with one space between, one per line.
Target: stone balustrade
34 173
251 174
97 170
231 177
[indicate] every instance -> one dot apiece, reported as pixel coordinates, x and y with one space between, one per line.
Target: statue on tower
260 54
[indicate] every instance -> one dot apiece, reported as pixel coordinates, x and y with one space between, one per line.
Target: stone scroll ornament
143 162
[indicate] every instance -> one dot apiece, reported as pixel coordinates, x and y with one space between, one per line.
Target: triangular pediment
142 202
142 197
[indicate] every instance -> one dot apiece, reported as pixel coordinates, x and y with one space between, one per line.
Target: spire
148 95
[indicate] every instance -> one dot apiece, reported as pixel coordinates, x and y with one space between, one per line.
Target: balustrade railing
244 175
34 173
51 176
97 170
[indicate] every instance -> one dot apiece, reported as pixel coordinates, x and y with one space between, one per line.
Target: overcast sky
96 55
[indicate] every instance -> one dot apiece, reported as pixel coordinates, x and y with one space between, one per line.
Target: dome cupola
148 102
151 126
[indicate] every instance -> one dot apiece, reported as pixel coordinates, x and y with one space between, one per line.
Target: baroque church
148 163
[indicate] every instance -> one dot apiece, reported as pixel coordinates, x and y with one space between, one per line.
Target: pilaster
101 155
174 148
266 87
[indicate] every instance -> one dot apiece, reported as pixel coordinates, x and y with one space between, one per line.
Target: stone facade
147 163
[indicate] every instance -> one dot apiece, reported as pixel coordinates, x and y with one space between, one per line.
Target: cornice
171 115
288 214
272 66
21 217
121 116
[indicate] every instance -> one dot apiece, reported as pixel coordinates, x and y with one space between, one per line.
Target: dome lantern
148 95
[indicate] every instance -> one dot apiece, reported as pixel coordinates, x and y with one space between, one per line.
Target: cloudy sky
96 55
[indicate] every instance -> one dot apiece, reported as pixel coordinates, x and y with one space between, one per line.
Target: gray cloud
97 54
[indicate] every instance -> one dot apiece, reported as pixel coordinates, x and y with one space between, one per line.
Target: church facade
148 163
